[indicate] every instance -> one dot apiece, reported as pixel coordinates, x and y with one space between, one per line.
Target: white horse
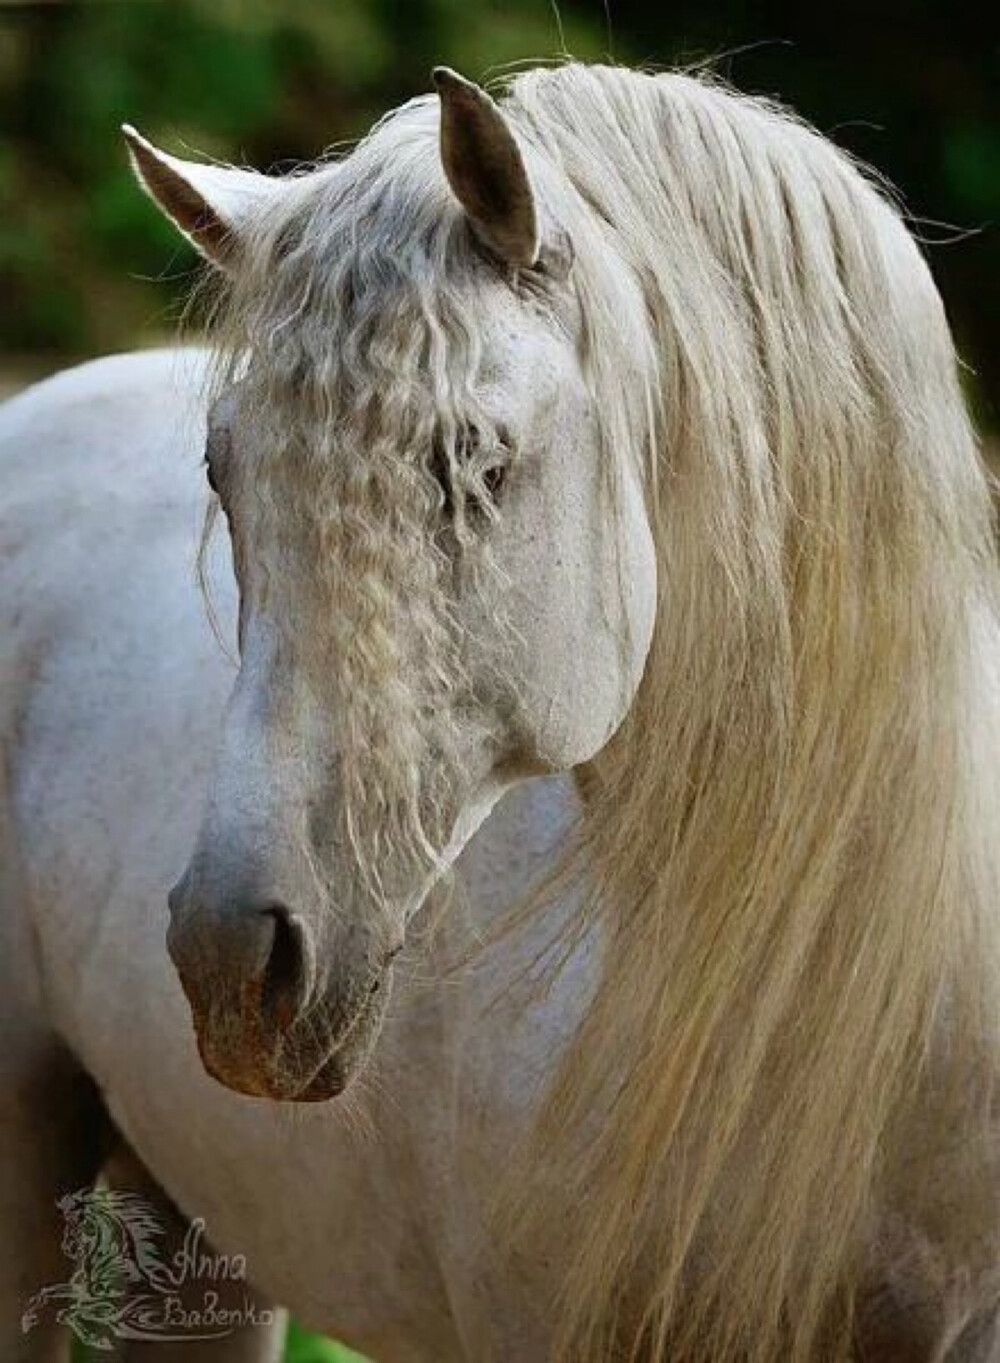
611 433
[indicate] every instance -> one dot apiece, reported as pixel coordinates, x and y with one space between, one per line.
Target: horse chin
294 1071
329 1081
343 1065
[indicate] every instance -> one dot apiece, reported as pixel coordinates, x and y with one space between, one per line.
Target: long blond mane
789 844
788 848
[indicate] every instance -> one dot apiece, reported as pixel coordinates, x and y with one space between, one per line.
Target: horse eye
210 476
440 469
494 476
493 480
482 471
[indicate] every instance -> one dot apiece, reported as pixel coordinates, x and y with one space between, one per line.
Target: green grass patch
301 1347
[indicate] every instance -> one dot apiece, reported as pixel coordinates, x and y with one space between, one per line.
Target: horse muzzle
268 1022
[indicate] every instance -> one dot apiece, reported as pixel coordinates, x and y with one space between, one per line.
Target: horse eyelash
493 477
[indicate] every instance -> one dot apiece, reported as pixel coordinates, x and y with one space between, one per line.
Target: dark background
86 266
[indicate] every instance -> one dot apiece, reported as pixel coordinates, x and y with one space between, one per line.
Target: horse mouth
329 1081
307 1064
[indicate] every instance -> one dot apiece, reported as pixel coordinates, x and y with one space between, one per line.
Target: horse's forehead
522 351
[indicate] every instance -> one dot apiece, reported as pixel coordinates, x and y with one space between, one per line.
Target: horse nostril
284 988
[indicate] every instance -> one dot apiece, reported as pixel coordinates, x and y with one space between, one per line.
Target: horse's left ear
210 204
487 174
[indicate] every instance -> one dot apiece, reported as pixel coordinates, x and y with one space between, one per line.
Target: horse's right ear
209 204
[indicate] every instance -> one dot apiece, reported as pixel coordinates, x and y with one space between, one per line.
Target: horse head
446 574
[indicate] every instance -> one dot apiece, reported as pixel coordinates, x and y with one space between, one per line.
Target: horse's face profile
435 601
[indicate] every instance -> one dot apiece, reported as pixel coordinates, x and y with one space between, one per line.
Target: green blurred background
87 266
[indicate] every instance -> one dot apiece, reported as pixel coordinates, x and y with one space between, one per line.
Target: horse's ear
486 170
210 204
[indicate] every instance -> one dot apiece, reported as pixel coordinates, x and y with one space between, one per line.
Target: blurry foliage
86 265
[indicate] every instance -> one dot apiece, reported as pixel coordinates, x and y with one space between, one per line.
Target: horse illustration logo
122 1287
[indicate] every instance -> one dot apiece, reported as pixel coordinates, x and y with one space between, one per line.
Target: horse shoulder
109 667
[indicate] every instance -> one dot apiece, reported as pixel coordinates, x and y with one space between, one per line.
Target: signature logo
124 1286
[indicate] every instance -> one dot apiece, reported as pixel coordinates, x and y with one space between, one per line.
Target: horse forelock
351 328
788 838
